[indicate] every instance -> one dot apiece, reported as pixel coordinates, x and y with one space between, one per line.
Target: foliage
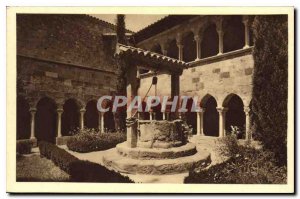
120 115
79 171
59 156
85 171
24 146
36 169
245 165
228 146
269 102
88 140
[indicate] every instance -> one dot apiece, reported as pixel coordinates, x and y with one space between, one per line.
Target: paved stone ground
204 143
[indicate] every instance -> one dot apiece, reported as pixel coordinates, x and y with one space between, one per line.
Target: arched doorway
234 34
46 120
23 119
191 117
189 48
91 116
210 116
235 115
109 121
70 117
172 50
210 42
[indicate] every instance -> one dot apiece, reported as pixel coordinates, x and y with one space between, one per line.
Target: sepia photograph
150 100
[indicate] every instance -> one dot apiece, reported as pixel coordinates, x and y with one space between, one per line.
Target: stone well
162 148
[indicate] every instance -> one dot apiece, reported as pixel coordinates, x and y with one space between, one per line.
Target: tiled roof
152 58
160 26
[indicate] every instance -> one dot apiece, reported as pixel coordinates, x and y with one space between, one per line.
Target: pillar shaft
59 113
82 111
220 34
131 92
200 116
198 46
247 125
175 89
164 115
101 122
222 119
247 33
180 51
32 128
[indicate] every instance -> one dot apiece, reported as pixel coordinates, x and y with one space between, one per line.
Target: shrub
270 83
228 145
24 146
85 171
88 140
250 166
60 157
79 171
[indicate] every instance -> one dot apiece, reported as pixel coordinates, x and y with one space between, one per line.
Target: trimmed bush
24 146
85 171
88 140
60 157
79 171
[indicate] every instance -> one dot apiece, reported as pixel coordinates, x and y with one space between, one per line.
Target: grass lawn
36 169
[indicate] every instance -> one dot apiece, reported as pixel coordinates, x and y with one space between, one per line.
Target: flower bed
88 140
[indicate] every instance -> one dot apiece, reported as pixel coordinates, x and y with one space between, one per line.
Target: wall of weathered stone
61 82
218 77
64 56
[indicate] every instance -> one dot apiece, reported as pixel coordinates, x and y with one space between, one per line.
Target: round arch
210 116
189 47
234 33
235 115
91 116
70 116
210 41
46 120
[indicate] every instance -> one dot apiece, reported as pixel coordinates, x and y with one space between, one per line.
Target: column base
34 141
246 47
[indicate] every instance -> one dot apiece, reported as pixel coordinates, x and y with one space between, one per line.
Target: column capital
222 110
245 20
82 110
201 110
247 110
198 37
59 110
32 110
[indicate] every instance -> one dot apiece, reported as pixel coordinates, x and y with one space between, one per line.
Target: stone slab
156 153
157 167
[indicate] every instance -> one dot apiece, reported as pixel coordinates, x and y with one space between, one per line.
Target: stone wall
64 56
218 76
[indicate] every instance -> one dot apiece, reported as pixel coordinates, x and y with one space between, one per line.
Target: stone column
247 124
175 89
164 115
180 51
220 34
222 119
132 130
101 122
32 129
59 113
198 40
200 115
82 111
247 32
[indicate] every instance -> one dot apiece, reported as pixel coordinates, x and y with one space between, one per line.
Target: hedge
24 146
79 171
88 140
